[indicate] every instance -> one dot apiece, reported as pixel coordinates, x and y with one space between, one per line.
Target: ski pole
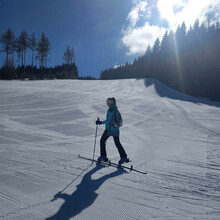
95 142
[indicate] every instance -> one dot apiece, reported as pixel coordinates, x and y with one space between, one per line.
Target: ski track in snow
44 125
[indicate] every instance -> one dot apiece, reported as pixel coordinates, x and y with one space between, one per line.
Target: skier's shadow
84 195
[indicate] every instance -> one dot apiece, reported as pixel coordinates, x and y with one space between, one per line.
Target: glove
98 122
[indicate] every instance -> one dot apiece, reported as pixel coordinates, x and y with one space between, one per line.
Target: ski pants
103 140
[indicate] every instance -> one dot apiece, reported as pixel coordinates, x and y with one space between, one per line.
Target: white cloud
166 8
134 14
137 39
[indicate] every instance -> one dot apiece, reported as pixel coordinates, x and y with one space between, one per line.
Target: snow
44 125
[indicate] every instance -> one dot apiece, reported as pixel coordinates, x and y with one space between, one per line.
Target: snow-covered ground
44 125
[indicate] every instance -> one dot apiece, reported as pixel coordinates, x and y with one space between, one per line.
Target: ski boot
123 160
102 159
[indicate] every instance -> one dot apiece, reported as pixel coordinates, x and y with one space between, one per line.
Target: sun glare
172 11
178 64
168 10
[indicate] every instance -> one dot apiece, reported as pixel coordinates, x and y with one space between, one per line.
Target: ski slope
44 125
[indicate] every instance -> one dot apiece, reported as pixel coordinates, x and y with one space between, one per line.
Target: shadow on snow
83 197
164 91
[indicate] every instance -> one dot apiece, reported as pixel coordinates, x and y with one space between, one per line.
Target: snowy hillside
44 125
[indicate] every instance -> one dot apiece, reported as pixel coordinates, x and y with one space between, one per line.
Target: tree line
186 60
40 49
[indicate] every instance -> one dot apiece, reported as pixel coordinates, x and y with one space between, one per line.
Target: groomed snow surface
44 125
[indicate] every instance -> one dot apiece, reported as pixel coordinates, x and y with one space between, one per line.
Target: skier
111 130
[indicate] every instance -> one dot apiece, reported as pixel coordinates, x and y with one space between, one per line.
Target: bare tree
43 49
33 46
18 51
8 46
69 55
22 46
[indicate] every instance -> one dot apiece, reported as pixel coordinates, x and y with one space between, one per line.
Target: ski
131 168
109 163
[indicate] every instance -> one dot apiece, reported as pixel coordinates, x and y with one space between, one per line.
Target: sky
103 33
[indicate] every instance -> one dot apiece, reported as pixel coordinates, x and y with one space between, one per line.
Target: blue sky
103 33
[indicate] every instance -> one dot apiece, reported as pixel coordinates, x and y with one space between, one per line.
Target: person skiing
111 130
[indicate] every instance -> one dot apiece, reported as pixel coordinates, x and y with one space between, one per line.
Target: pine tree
164 44
156 47
186 61
181 37
7 41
